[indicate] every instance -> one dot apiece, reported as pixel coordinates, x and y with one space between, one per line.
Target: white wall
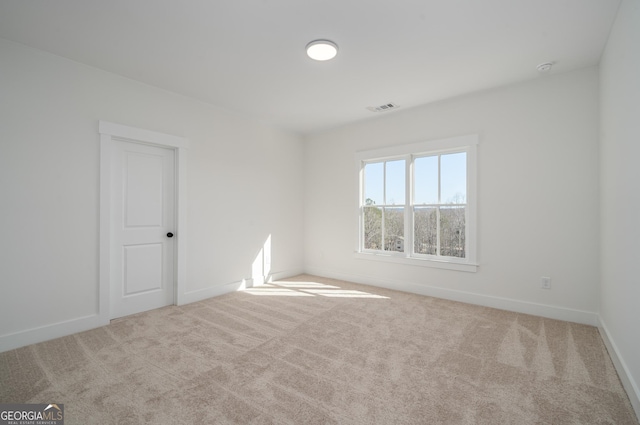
537 196
620 186
244 184
538 185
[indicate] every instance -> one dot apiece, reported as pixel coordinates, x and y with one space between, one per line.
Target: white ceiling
248 55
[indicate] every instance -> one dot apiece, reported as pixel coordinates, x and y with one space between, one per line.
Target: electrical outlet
545 282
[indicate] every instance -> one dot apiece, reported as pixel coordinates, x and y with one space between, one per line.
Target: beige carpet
311 350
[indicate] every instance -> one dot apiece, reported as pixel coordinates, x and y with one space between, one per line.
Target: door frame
110 132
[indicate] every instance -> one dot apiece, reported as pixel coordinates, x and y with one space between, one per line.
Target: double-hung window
417 204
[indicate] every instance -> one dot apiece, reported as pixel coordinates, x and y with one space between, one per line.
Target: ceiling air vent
382 108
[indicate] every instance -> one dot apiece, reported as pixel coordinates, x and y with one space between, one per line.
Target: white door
143 220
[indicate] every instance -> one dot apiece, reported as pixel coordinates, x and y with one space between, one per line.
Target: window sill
421 262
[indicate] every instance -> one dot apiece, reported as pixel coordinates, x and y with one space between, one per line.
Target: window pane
394 229
453 178
425 240
395 182
372 228
425 180
374 183
452 231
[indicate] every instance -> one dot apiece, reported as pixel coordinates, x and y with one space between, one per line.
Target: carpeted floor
312 350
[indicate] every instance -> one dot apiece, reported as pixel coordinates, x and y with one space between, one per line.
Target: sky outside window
425 172
395 182
453 178
375 182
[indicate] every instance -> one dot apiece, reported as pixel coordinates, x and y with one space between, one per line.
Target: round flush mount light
322 50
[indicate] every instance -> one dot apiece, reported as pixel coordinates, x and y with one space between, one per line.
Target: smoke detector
383 108
544 67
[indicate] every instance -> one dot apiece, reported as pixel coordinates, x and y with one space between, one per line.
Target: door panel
142 268
143 186
142 215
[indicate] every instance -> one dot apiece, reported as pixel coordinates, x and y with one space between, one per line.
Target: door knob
169 235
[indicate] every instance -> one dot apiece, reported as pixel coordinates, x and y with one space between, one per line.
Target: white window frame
468 144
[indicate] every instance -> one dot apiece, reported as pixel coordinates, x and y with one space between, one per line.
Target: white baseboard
47 332
285 274
215 291
81 324
552 312
629 384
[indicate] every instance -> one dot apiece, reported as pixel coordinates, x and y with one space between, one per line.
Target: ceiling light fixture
322 50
